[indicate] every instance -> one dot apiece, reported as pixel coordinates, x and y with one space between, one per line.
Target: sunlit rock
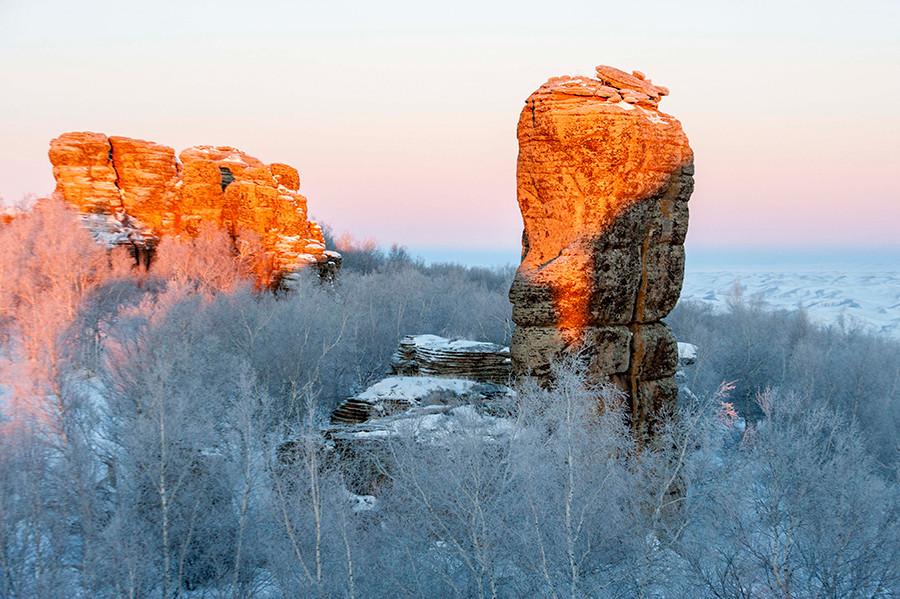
132 192
83 168
603 183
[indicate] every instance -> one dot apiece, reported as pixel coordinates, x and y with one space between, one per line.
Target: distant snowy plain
869 299
860 288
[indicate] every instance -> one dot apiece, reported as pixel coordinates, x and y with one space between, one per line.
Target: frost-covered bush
160 469
48 265
800 509
854 373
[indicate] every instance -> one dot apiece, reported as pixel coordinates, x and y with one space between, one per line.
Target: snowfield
869 299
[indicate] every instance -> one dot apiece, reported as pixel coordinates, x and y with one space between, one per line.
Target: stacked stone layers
431 355
138 191
84 173
603 183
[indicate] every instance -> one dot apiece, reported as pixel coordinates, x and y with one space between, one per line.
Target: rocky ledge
431 355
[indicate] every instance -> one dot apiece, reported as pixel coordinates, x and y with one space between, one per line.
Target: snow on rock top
412 389
435 426
687 353
398 394
455 345
438 356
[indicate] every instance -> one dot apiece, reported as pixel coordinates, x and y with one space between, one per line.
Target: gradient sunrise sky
401 116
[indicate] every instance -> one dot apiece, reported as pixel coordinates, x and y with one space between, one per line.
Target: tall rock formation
133 192
603 183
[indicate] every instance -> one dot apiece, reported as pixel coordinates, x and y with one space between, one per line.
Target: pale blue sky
401 116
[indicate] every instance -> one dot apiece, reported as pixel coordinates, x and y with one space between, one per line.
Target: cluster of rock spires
603 183
132 192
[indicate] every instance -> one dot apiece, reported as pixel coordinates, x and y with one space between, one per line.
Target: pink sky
401 117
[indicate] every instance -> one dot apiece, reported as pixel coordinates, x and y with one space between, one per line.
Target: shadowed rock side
132 192
603 183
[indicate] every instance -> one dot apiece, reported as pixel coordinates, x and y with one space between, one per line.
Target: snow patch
414 388
687 353
439 426
435 342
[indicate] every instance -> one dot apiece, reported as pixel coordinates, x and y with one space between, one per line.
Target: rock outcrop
603 183
393 397
438 388
431 355
434 372
133 192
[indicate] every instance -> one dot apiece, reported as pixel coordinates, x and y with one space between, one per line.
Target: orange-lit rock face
84 172
603 183
147 175
135 191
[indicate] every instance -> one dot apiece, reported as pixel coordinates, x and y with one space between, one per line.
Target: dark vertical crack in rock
112 165
637 340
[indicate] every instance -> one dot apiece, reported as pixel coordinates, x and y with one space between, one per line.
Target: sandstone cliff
133 192
603 182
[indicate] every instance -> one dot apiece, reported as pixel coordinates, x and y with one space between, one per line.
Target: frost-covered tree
798 510
48 265
179 452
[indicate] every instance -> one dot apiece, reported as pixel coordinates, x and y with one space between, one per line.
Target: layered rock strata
603 180
431 355
438 388
433 373
133 192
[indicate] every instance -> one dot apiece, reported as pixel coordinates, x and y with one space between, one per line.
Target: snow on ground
414 388
869 298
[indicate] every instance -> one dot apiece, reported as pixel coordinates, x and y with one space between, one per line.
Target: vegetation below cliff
143 412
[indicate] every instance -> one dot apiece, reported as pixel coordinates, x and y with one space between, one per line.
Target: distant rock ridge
603 183
132 192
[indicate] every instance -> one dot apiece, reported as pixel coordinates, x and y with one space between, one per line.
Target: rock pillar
603 179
